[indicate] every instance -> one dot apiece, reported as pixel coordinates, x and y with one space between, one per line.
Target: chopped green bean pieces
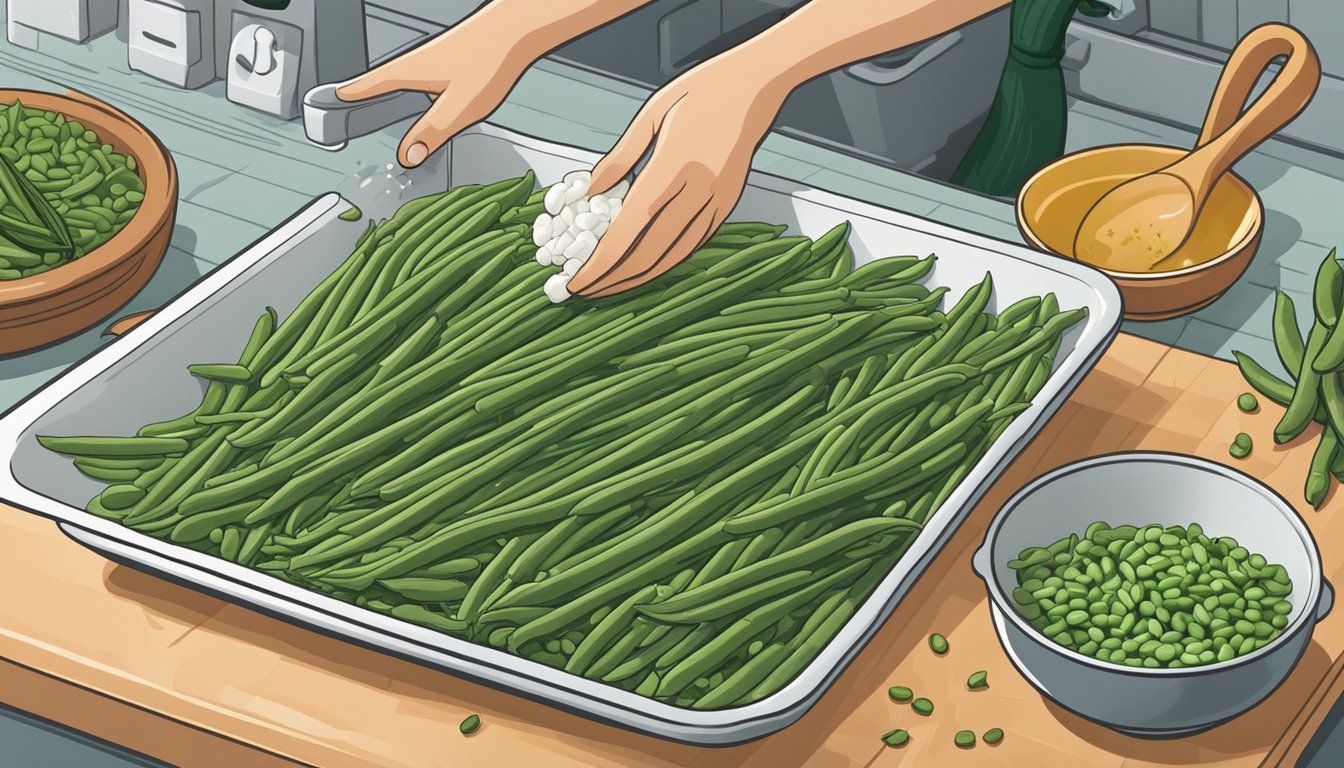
1152 596
896 738
1241 446
470 725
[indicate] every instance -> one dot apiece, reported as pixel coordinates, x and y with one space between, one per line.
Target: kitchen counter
243 172
193 680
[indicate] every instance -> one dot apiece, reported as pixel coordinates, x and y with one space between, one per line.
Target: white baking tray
142 378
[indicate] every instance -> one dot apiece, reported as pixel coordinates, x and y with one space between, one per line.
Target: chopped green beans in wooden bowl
63 192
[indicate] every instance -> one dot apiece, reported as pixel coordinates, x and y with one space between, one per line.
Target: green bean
896 738
1318 476
114 447
228 374
938 643
682 668
106 474
814 552
1306 395
1263 381
422 615
427 590
929 456
1287 338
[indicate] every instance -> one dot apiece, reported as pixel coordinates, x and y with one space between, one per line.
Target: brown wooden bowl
61 302
1052 205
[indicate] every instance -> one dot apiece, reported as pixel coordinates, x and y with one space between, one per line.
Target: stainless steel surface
142 377
1144 489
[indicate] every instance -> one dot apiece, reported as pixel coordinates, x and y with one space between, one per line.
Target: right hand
468 70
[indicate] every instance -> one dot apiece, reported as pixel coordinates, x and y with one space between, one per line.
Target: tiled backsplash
1221 23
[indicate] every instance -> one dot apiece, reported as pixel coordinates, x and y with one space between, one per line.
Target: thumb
446 118
624 154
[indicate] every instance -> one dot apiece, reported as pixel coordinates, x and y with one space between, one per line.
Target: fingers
446 118
391 77
648 195
668 228
627 151
692 237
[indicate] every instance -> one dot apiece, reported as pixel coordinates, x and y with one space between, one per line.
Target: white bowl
1142 489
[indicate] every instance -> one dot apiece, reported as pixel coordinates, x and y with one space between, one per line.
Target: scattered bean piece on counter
964 739
1241 446
978 680
470 725
992 736
938 643
922 706
1248 403
896 738
900 693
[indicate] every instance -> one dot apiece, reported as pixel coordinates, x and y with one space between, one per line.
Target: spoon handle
1229 133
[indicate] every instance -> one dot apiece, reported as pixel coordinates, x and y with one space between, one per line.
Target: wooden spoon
1148 219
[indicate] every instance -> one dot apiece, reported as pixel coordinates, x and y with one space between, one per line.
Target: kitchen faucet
331 123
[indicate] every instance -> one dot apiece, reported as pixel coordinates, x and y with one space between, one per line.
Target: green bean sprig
1316 368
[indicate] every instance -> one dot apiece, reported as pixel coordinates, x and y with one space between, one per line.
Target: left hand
703 128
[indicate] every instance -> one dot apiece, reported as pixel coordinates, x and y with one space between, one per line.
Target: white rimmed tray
142 377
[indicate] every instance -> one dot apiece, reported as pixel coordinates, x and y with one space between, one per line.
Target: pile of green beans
684 490
94 190
1316 365
1152 596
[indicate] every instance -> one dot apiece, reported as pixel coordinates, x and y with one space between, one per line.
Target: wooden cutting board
196 681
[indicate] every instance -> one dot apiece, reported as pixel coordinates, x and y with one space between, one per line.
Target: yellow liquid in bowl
1056 202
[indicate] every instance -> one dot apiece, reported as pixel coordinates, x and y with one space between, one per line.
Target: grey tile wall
1253 13
1175 17
1218 22
1323 22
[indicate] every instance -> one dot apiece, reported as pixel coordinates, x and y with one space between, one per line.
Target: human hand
467 70
703 129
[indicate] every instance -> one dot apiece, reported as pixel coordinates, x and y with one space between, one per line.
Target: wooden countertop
193 680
